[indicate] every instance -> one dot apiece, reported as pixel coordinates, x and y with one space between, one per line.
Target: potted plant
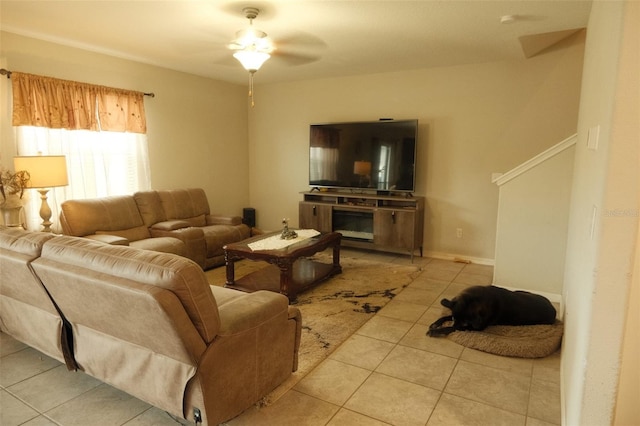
12 189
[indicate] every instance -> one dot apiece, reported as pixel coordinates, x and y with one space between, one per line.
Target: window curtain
324 137
64 104
100 130
323 155
323 163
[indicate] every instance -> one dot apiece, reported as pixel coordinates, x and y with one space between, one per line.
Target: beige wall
628 398
603 223
474 120
197 127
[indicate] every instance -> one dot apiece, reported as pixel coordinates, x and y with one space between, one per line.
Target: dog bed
524 341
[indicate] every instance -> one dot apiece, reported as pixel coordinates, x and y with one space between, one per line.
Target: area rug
525 341
334 309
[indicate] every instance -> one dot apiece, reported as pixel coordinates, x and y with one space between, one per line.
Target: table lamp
46 171
363 170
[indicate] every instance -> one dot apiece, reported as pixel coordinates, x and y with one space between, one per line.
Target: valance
63 104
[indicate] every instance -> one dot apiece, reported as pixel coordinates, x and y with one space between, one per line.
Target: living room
475 120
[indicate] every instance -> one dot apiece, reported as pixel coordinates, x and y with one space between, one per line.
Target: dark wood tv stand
392 223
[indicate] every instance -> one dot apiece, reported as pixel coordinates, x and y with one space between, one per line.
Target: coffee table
289 271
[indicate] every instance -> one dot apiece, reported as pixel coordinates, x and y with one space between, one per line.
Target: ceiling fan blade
298 48
294 59
300 41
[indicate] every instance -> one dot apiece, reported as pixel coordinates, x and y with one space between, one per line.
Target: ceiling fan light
249 36
251 60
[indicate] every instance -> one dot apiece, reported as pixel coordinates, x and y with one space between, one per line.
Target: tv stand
372 221
395 194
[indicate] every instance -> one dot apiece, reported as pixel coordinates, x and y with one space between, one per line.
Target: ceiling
314 39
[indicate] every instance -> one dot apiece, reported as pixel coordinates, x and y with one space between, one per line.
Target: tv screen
373 155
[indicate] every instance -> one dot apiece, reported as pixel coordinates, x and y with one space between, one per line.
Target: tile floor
388 372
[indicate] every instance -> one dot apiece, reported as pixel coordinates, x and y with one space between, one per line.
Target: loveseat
147 323
176 221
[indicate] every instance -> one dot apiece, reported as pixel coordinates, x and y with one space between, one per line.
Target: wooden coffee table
289 271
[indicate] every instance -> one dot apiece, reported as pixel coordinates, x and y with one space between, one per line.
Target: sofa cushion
85 217
197 221
150 207
27 243
177 274
163 244
189 203
132 234
114 240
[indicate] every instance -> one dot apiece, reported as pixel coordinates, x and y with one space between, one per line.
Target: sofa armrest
193 239
223 220
253 353
113 240
250 311
170 225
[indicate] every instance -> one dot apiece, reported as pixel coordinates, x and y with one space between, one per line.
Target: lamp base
45 211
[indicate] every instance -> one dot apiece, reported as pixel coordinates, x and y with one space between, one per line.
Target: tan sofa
114 220
147 323
174 221
168 211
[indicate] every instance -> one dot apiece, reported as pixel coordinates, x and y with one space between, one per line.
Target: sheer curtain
323 164
323 154
100 130
98 164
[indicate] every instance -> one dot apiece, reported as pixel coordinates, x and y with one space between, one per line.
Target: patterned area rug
334 309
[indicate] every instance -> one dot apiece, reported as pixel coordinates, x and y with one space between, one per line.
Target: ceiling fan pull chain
251 89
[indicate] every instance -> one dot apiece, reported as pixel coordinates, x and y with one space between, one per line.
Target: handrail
533 162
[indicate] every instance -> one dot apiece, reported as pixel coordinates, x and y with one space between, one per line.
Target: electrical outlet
459 232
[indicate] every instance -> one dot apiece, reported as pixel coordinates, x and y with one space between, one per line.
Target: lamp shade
362 168
46 171
251 60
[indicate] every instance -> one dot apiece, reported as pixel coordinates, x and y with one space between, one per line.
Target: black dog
477 307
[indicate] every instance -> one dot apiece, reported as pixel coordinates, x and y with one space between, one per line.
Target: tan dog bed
524 341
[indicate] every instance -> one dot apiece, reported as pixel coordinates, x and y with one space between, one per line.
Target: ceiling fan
251 47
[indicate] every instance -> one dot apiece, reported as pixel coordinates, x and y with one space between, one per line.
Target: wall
531 237
474 120
197 127
627 406
603 220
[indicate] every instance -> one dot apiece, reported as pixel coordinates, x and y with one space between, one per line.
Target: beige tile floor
388 372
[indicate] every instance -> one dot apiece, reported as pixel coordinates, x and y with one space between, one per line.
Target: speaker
249 217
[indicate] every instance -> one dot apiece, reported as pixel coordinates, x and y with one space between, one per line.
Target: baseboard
459 258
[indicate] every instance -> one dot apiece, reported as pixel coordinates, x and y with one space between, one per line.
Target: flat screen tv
373 155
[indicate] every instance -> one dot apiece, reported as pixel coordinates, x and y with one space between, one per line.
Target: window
100 130
98 164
